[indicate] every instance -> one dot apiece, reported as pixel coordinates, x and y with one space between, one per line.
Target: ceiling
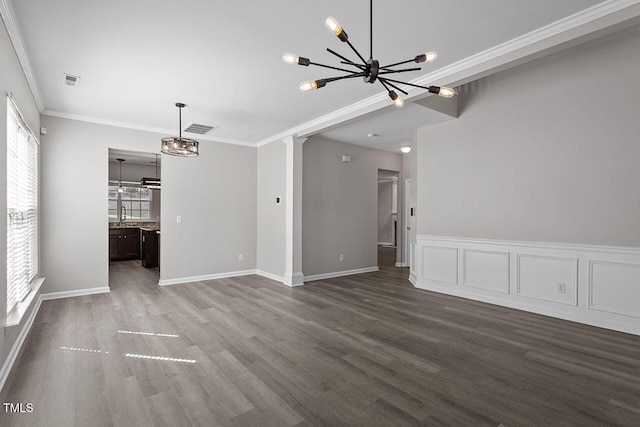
222 58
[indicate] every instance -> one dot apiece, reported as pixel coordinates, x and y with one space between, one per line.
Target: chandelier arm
331 67
405 83
350 76
394 86
357 53
401 71
362 67
341 57
385 85
398 63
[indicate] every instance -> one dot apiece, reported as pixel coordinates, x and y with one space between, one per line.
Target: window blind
22 207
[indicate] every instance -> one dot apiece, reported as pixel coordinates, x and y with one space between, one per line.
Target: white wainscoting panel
614 287
439 264
413 275
486 270
540 276
601 284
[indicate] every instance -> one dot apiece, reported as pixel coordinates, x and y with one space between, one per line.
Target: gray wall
11 80
271 216
340 205
547 151
134 172
385 205
216 197
214 193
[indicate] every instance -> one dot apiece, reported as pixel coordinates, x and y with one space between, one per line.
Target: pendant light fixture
120 187
370 70
152 183
179 146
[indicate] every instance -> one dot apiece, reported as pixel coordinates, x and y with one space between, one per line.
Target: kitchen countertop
141 225
150 228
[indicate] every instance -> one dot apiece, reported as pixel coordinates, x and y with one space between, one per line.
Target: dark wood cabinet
114 244
131 243
124 243
150 246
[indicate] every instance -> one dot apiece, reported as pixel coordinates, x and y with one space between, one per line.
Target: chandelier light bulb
333 25
308 86
405 149
426 57
397 101
289 58
446 92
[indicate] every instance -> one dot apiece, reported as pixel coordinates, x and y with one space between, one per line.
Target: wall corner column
293 204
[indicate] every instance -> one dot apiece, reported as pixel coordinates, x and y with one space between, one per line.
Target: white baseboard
15 350
270 276
594 285
293 279
181 280
385 244
401 264
340 274
78 293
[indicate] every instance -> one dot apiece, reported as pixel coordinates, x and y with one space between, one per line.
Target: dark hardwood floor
363 350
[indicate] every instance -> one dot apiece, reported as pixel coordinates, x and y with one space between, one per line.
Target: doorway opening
134 200
388 220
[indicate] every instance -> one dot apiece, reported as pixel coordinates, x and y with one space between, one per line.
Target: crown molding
603 15
135 126
10 22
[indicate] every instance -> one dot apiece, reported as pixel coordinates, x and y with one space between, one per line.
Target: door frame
407 222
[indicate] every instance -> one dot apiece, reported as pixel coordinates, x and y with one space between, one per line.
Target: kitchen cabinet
150 244
124 244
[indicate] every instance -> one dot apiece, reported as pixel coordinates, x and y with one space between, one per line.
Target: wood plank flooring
365 350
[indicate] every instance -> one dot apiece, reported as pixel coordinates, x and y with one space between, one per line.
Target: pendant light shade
152 183
177 145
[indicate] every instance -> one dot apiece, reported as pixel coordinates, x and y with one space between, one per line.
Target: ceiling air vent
199 129
70 80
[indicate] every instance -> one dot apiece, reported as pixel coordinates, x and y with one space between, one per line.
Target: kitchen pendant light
370 70
179 146
152 183
120 188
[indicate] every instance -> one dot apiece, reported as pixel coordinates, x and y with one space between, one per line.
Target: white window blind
22 207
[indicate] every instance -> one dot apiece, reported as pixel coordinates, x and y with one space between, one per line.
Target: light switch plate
179 219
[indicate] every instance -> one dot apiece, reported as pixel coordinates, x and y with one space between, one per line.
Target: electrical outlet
341 257
562 288
241 257
179 219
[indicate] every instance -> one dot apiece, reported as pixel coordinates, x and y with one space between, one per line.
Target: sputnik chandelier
370 70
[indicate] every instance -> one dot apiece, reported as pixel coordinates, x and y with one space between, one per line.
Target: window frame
22 197
120 200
